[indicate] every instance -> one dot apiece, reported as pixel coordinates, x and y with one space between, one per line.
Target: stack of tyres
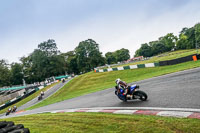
10 127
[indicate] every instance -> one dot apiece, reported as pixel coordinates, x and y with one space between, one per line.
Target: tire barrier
10 127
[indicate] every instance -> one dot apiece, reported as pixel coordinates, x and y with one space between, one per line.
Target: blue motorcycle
133 93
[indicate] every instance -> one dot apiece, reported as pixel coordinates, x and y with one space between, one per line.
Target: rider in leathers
123 85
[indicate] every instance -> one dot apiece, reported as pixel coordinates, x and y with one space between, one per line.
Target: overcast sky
113 24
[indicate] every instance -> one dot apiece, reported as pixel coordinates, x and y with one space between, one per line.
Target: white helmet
117 80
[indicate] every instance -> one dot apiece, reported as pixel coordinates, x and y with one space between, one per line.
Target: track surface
47 93
176 90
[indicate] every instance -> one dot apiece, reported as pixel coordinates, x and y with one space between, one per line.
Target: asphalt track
176 90
47 93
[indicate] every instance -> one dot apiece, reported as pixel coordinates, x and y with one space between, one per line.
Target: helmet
117 80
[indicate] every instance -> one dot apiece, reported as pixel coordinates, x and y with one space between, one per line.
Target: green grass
164 56
27 99
92 82
104 123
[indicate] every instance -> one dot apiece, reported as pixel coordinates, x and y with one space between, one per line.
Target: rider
14 108
123 85
10 109
42 93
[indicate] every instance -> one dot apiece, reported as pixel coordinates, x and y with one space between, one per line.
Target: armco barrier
128 67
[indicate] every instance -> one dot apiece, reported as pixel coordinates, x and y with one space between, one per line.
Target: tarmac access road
176 90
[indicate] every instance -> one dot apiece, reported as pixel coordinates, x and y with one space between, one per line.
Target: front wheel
7 113
142 95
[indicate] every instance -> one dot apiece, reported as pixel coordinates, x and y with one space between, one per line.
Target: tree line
47 61
187 39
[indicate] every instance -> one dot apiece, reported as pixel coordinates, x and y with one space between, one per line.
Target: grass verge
29 98
105 122
92 82
164 56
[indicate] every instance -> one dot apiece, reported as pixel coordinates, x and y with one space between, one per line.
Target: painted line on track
179 114
169 112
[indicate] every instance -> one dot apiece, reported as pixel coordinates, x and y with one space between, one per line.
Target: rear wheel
142 95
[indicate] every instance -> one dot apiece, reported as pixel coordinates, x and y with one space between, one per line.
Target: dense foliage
88 56
47 61
187 39
117 56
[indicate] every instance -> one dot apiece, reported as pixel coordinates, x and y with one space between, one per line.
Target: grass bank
164 56
105 122
92 82
29 98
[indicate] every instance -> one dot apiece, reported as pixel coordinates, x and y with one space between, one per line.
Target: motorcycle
133 93
39 97
14 109
8 112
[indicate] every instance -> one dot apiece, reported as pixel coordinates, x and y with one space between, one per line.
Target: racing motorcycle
39 97
8 112
14 109
133 93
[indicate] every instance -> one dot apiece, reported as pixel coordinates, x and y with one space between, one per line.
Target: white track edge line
147 108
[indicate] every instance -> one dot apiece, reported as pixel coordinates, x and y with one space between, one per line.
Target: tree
43 62
5 74
169 41
27 69
158 47
190 33
122 55
49 47
56 65
16 74
145 50
73 66
197 34
110 58
186 39
182 42
68 57
88 55
40 67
